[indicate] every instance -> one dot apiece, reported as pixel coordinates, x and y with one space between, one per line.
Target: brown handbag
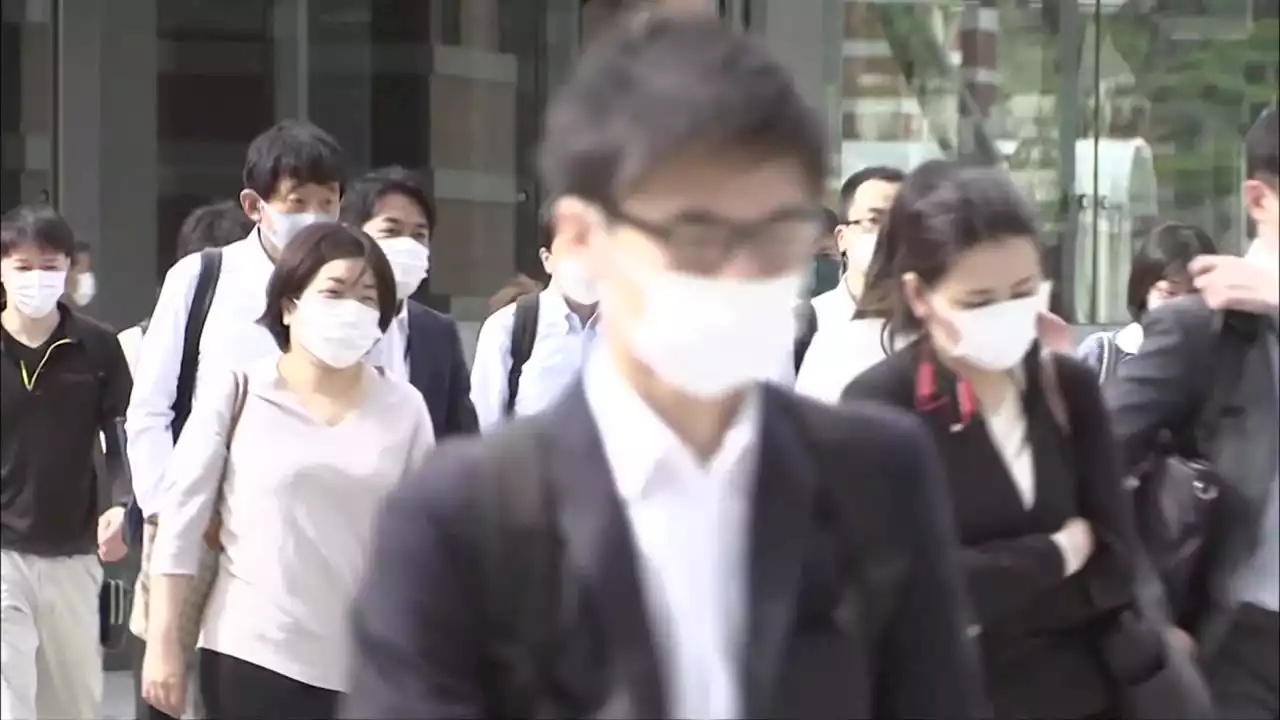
192 614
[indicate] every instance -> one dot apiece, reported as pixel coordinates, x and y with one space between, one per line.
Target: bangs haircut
36 225
1164 255
292 150
300 262
663 84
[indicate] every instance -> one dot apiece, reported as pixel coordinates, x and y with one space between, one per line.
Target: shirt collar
555 306
635 439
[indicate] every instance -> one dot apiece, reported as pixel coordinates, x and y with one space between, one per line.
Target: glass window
27 109
1109 113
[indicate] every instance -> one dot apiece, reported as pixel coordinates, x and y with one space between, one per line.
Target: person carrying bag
192 612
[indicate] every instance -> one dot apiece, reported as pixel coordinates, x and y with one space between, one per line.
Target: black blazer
1040 656
1162 388
831 484
438 368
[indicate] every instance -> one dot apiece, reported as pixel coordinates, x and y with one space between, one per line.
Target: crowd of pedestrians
668 485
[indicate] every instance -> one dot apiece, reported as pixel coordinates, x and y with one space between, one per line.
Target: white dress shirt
690 521
130 338
840 352
297 507
834 306
562 345
232 337
392 351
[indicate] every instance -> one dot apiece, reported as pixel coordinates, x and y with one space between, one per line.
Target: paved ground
117 696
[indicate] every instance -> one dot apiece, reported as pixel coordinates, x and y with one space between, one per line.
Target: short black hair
851 184
1164 255
944 208
212 226
36 224
663 83
1262 149
360 198
294 150
314 247
832 219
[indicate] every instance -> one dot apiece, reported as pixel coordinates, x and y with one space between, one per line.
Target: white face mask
410 260
575 282
285 226
35 293
996 337
86 289
337 331
711 336
861 248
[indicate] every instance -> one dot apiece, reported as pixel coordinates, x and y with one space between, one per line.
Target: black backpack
524 332
197 315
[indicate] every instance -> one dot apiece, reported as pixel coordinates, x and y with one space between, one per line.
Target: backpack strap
524 332
1110 357
521 552
806 328
201 302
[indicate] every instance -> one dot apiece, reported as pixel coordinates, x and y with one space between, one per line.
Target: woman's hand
1076 542
164 678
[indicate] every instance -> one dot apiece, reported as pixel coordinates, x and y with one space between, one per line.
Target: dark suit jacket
438 368
833 487
1040 654
1162 389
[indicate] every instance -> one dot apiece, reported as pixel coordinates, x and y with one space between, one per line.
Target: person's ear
287 309
251 204
842 238
913 292
545 256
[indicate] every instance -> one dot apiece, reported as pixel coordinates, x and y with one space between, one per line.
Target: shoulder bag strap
1107 368
524 333
201 302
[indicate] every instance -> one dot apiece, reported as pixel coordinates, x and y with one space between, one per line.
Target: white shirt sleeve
190 487
155 383
490 367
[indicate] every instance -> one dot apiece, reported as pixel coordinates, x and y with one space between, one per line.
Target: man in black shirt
64 384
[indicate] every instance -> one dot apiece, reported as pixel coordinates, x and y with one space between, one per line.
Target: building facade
1110 113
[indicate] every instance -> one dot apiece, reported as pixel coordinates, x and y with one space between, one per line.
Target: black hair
211 226
832 220
39 225
663 83
851 184
315 246
944 209
360 198
1262 149
546 232
292 150
1164 255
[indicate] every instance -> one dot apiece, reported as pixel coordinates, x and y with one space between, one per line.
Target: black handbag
1176 501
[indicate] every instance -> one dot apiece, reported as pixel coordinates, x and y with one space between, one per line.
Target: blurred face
567 264
401 228
701 267
335 319
34 277
984 310
857 237
1166 290
81 283
291 207
397 215
1262 199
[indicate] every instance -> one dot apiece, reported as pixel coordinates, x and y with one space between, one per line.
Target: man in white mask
702 518
528 352
865 198
422 346
64 383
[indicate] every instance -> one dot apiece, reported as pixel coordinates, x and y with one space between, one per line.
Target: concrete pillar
106 160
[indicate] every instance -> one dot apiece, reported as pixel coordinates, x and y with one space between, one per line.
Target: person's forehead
995 263
874 193
399 206
289 186
738 188
31 251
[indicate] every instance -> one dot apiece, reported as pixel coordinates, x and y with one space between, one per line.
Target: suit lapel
786 479
599 549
